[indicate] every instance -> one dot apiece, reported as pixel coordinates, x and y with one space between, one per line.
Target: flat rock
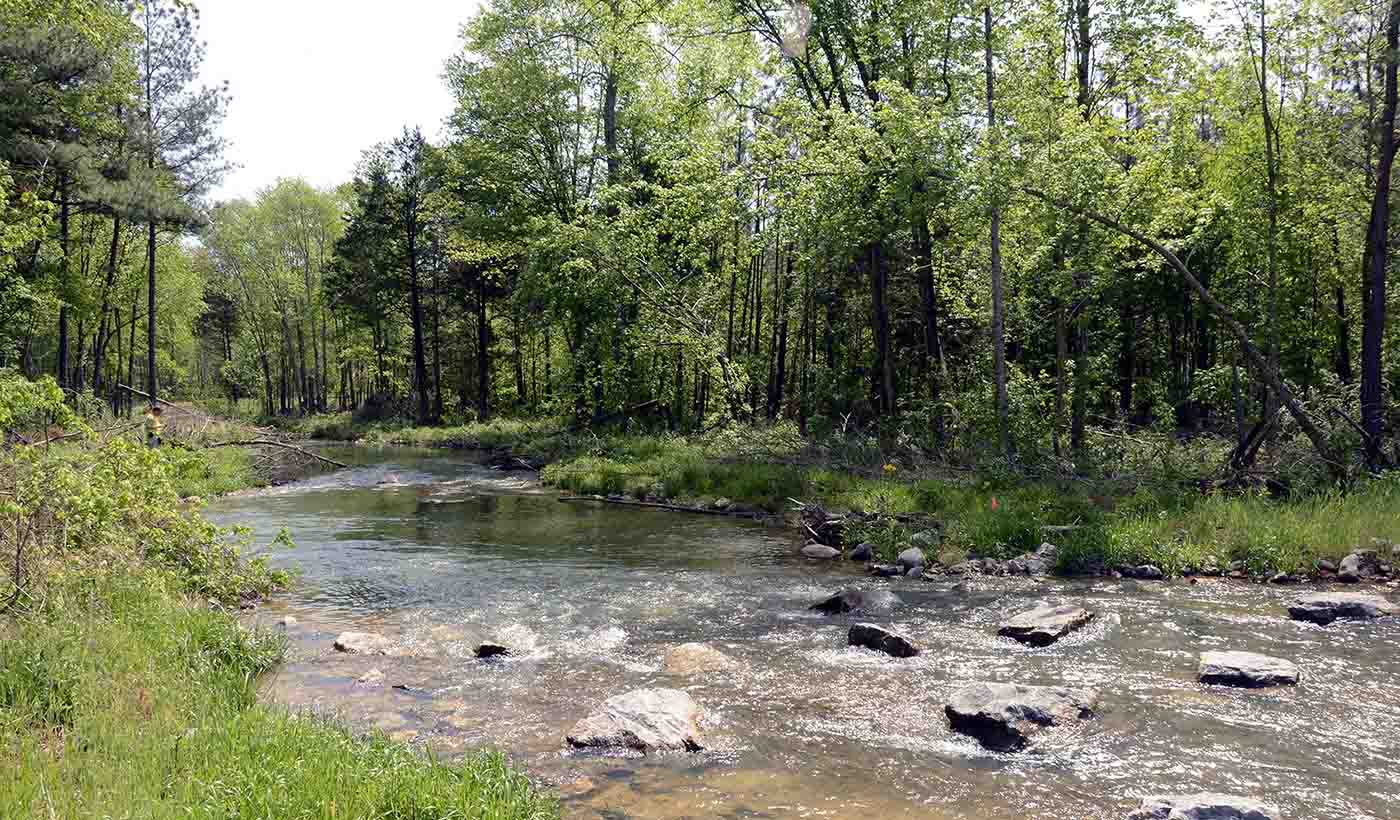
1005 716
695 658
492 650
1204 807
856 600
882 639
820 551
1044 625
645 720
1326 607
1246 669
885 570
362 643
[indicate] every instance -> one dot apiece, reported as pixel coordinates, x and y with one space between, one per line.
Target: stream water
451 553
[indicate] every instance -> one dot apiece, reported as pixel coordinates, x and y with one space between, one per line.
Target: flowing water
439 554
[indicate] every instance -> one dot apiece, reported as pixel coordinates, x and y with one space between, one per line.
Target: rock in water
492 650
1204 807
1005 716
820 551
1044 625
856 600
362 643
884 570
882 639
695 658
1246 669
1325 607
862 552
646 720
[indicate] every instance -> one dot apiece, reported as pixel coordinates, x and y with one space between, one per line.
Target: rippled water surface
439 554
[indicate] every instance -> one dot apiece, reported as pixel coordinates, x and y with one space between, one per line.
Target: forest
1000 232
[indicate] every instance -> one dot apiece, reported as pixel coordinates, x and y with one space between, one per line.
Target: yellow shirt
153 424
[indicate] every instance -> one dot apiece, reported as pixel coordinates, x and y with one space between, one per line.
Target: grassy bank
134 704
1131 517
127 687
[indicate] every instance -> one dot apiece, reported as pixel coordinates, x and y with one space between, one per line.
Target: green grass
212 472
134 704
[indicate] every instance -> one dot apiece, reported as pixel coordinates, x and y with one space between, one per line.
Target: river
450 553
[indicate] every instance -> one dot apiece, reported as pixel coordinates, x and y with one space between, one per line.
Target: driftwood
264 442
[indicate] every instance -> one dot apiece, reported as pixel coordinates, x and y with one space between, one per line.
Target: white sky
315 82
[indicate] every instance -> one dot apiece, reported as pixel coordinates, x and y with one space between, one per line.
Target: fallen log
658 505
263 442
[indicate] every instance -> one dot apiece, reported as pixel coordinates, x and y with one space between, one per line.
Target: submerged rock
885 570
856 600
645 720
694 658
1044 625
1246 669
820 551
862 552
882 639
1204 807
362 643
492 650
373 677
1325 607
1005 716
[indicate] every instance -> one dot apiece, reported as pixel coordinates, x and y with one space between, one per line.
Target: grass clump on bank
134 704
127 689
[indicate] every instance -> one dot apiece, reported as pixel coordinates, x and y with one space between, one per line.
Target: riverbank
1103 524
128 687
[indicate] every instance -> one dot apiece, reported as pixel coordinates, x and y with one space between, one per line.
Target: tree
179 138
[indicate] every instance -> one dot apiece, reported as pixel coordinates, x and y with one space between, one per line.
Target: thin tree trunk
998 319
1377 243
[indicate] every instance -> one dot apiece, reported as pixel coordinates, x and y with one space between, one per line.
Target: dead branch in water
264 442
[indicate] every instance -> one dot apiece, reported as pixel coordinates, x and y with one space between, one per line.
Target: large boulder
1005 716
863 551
1325 607
362 643
820 551
645 720
1204 807
911 558
855 601
1247 669
926 540
1045 624
695 658
1360 564
1043 561
882 639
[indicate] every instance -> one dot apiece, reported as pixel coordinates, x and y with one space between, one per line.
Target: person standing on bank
153 426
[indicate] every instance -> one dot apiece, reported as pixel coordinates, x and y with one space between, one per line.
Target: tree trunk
998 319
1377 244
